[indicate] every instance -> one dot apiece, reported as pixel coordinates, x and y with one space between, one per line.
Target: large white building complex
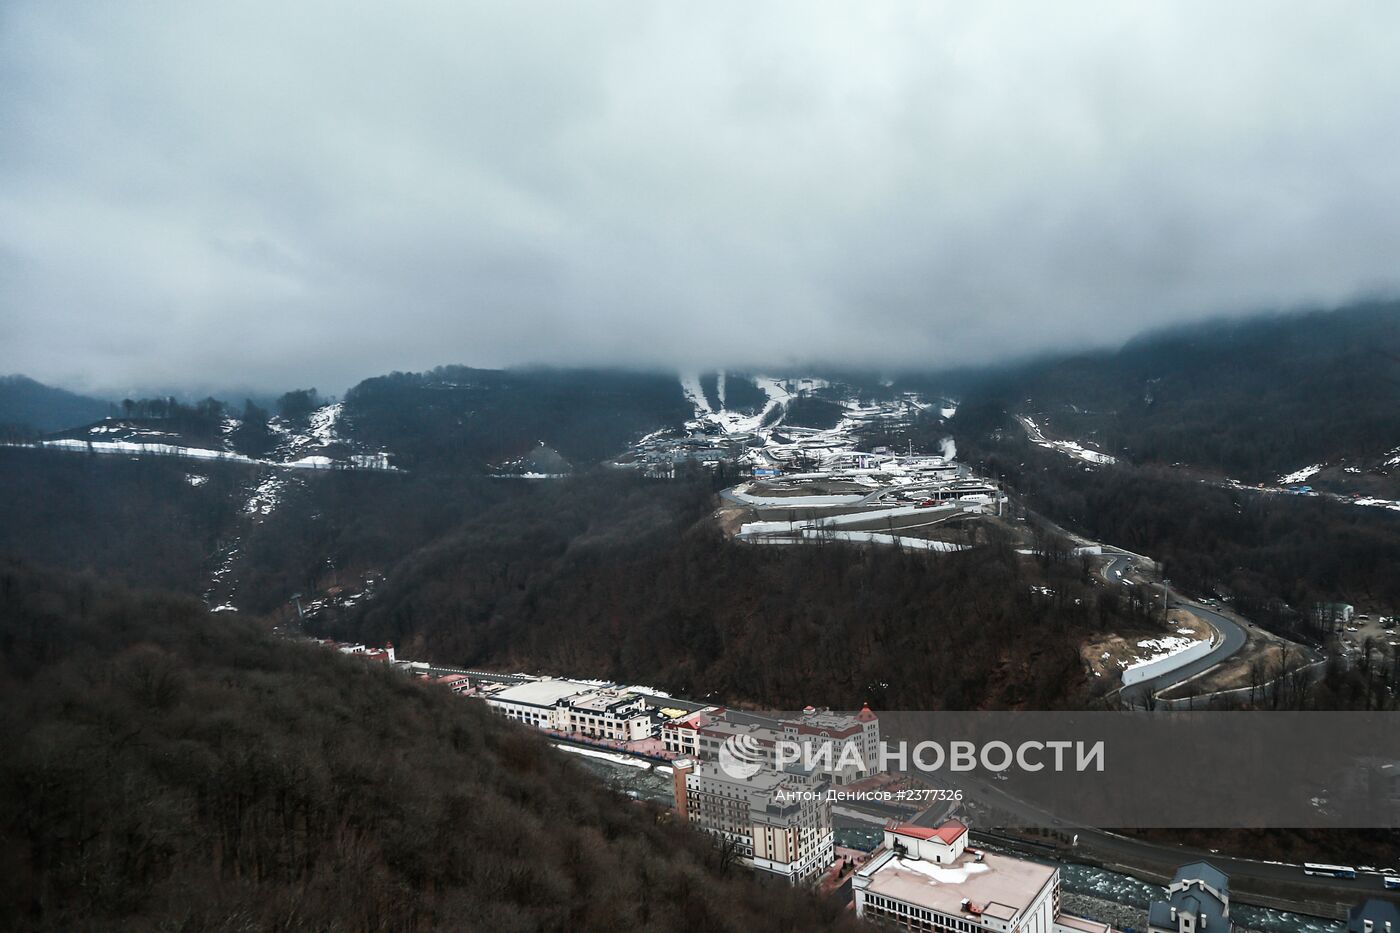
588 710
842 748
930 879
778 822
536 702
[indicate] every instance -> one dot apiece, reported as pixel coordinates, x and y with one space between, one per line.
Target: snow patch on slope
1299 476
298 450
690 385
1071 448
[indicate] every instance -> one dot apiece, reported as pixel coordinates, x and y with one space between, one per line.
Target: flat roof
1079 923
541 692
763 781
999 885
761 734
659 700
600 700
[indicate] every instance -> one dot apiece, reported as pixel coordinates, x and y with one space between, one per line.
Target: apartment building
777 822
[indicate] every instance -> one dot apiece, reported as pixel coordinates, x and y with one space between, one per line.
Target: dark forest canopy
168 522
809 411
466 418
607 575
139 520
741 393
613 577
1263 549
1255 398
167 770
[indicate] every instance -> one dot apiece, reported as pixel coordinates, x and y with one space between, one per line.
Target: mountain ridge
27 404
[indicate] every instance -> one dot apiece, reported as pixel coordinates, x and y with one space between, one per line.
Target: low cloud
288 194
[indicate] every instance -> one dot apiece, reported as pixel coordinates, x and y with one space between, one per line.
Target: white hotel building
928 879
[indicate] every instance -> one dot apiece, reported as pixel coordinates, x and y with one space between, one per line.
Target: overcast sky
289 193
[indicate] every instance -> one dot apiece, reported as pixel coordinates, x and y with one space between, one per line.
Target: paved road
1232 635
1117 566
1232 639
1130 854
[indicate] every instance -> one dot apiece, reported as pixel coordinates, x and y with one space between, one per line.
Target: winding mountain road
1230 638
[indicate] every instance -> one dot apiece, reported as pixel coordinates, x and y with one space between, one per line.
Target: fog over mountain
270 194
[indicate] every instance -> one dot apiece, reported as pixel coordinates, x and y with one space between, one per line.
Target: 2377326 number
929 794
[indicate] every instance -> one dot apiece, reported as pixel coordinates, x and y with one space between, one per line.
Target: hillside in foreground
169 770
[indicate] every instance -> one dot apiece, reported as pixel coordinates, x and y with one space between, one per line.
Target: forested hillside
741 393
473 418
810 411
143 521
164 770
1275 554
168 522
1253 398
26 405
625 579
1249 545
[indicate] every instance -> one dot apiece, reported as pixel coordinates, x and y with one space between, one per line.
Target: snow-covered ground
309 462
760 438
1070 448
1390 504
874 537
140 448
793 502
855 518
1155 649
690 385
840 439
614 757
1296 478
863 486
732 422
265 497
1299 476
941 874
1364 501
319 447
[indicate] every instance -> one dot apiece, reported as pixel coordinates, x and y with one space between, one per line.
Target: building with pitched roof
1197 901
1374 916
